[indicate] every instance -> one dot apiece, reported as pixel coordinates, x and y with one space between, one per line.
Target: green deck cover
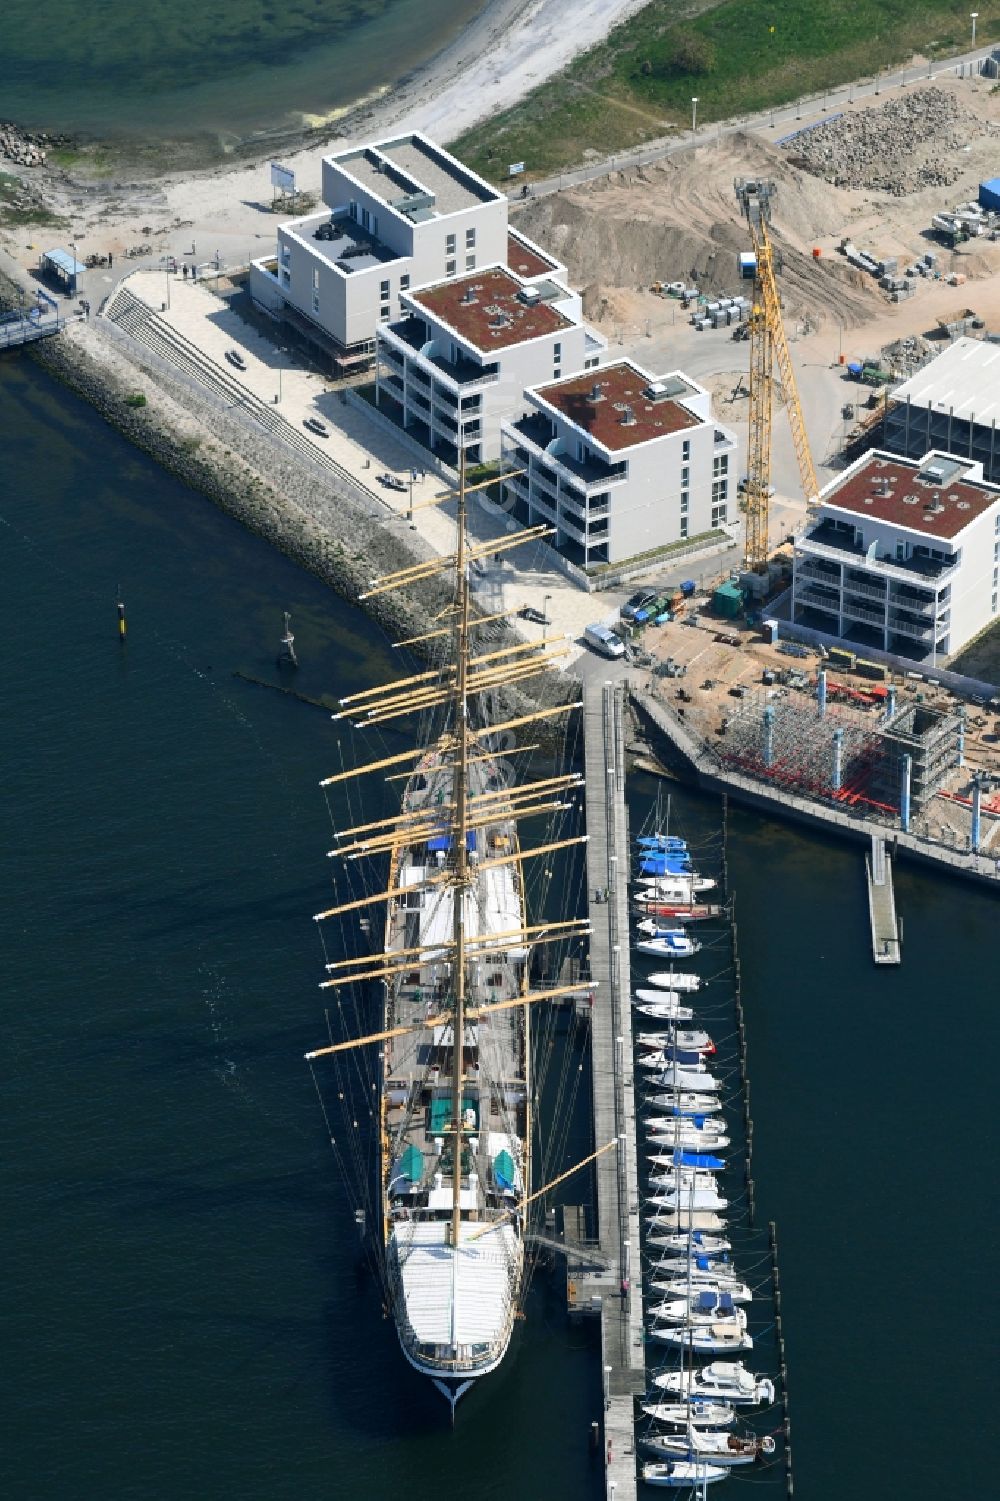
503 1167
440 1117
411 1164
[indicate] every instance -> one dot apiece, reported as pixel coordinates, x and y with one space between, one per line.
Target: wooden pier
882 905
616 1286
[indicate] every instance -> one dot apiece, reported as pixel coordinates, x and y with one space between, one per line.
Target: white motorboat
667 979
677 946
672 1076
696 1245
700 1311
699 1414
681 1104
671 1222
662 1144
653 927
679 1285
720 1381
712 1340
677 887
688 1041
677 1265
682 1475
683 1178
665 1059
717 1448
686 1199
667 1010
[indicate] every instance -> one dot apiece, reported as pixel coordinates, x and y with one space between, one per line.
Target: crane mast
767 344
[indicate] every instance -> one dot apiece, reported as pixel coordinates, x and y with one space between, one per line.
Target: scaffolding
838 755
934 741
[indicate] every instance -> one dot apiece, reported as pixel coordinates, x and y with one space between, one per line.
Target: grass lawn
738 57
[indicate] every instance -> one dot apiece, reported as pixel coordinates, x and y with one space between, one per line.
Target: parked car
602 639
641 600
315 426
391 481
235 358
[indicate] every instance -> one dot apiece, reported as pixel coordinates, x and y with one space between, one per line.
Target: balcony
869 591
818 600
828 541
909 628
465 372
538 431
861 612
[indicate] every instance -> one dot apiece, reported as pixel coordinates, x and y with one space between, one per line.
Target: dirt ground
680 220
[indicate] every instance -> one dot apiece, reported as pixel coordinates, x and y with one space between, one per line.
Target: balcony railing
908 628
859 612
807 546
870 591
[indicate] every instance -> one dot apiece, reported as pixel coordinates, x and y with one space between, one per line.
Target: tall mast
460 793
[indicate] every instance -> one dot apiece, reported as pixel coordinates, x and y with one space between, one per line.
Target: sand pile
680 221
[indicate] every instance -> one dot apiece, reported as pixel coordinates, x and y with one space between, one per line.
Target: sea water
182 68
186 1310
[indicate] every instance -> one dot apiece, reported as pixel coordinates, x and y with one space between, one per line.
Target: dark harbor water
231 68
184 1314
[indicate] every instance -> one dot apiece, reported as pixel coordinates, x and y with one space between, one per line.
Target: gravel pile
909 143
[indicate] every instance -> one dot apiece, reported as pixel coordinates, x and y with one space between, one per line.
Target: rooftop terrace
488 309
413 167
929 497
352 249
619 406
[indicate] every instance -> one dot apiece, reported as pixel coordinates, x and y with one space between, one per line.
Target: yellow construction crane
767 342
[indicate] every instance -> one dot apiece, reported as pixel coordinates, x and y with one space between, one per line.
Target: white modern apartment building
399 214
620 462
458 361
903 556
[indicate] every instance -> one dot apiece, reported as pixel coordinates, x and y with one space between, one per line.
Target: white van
602 639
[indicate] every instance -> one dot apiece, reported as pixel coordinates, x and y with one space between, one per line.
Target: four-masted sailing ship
453 969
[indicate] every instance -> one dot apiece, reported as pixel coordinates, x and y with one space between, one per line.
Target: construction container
989 194
747 264
727 601
770 631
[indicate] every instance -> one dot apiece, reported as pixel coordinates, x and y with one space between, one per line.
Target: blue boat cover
703 1263
661 842
678 1055
665 865
726 1303
697 1237
705 1302
697 1159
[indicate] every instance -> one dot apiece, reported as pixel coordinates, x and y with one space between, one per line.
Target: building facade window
720 464
719 514
685 502
470 238
450 267
684 527
404 282
315 302
315 281
685 475
720 493
686 449
449 245
384 289
470 263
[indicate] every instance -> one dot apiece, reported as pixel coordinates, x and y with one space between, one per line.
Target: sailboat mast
460 794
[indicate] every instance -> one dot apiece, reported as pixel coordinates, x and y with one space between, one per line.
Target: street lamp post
973 17
409 514
694 114
545 612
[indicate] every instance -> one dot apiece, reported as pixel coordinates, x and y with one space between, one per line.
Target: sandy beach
510 48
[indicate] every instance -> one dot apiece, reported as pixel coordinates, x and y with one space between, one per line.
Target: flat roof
413 167
353 249
64 262
901 492
487 310
525 260
964 378
623 392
